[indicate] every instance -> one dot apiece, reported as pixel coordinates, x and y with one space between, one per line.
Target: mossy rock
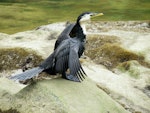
14 58
60 96
108 51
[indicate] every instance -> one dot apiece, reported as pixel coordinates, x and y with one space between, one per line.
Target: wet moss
106 50
14 58
9 111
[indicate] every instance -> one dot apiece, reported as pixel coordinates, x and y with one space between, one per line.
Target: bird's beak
97 14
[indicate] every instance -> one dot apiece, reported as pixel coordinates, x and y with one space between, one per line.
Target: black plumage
67 33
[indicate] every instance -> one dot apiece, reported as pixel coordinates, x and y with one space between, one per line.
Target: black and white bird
66 54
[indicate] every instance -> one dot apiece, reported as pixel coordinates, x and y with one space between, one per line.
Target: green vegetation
14 58
20 15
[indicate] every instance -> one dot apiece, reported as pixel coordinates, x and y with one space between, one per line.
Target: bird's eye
91 14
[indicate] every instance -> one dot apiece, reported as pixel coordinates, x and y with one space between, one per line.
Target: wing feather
83 71
76 72
74 64
62 58
64 35
67 56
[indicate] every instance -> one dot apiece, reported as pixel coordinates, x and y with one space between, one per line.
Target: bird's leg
70 77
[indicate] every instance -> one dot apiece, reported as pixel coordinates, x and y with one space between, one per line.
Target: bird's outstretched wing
61 55
64 35
49 62
74 64
68 29
66 56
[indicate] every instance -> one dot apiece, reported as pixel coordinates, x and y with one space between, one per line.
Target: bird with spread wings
66 54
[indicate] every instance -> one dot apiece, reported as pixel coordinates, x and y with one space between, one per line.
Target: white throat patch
85 17
83 26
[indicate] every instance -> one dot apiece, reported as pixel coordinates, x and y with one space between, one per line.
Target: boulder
56 96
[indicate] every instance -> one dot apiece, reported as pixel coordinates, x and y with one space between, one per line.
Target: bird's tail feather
27 74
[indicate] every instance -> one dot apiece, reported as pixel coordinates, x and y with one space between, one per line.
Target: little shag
66 54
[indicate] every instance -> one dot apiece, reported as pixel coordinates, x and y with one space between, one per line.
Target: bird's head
84 17
87 16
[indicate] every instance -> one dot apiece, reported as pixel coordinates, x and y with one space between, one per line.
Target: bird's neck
83 26
81 31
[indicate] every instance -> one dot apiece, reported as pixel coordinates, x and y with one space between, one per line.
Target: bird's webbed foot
71 77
